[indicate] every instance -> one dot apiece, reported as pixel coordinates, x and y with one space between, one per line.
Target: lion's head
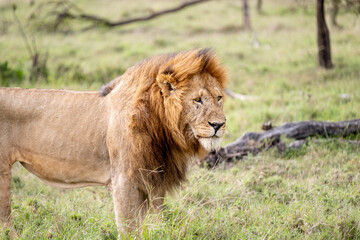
192 85
182 91
202 112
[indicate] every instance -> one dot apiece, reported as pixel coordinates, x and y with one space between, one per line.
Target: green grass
308 193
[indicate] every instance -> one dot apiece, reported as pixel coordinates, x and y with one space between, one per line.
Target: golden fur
137 137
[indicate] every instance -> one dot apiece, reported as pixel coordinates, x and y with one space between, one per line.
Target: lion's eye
198 100
219 98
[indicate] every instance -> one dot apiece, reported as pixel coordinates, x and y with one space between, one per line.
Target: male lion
136 136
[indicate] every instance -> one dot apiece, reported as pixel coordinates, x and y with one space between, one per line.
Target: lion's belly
66 173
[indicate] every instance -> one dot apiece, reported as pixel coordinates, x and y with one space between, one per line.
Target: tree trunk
247 22
259 6
323 37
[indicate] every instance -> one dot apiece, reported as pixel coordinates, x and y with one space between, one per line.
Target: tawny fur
137 135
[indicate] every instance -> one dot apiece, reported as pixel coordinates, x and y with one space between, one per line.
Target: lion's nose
216 125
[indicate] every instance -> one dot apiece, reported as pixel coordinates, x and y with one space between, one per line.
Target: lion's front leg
130 205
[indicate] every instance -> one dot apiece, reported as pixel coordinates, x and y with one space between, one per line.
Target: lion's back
58 123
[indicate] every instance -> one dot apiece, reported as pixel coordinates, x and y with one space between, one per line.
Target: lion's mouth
210 140
210 143
213 136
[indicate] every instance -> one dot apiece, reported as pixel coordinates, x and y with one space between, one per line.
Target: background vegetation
309 193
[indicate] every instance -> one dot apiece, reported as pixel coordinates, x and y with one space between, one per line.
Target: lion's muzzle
216 125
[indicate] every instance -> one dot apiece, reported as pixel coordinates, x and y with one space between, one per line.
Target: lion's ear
166 81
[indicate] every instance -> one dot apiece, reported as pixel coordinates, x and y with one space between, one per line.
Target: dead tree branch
254 142
39 62
68 14
238 96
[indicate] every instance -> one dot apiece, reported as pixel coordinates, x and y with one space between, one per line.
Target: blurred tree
259 6
247 22
334 12
348 5
323 37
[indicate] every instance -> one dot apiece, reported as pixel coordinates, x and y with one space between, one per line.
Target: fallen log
255 142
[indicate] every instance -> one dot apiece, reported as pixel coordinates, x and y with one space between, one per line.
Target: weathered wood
67 14
254 142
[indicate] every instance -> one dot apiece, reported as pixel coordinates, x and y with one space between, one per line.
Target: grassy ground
310 193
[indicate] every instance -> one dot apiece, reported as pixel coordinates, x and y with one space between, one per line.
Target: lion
137 136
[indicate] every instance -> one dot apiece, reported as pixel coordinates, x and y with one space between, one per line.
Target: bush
10 75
